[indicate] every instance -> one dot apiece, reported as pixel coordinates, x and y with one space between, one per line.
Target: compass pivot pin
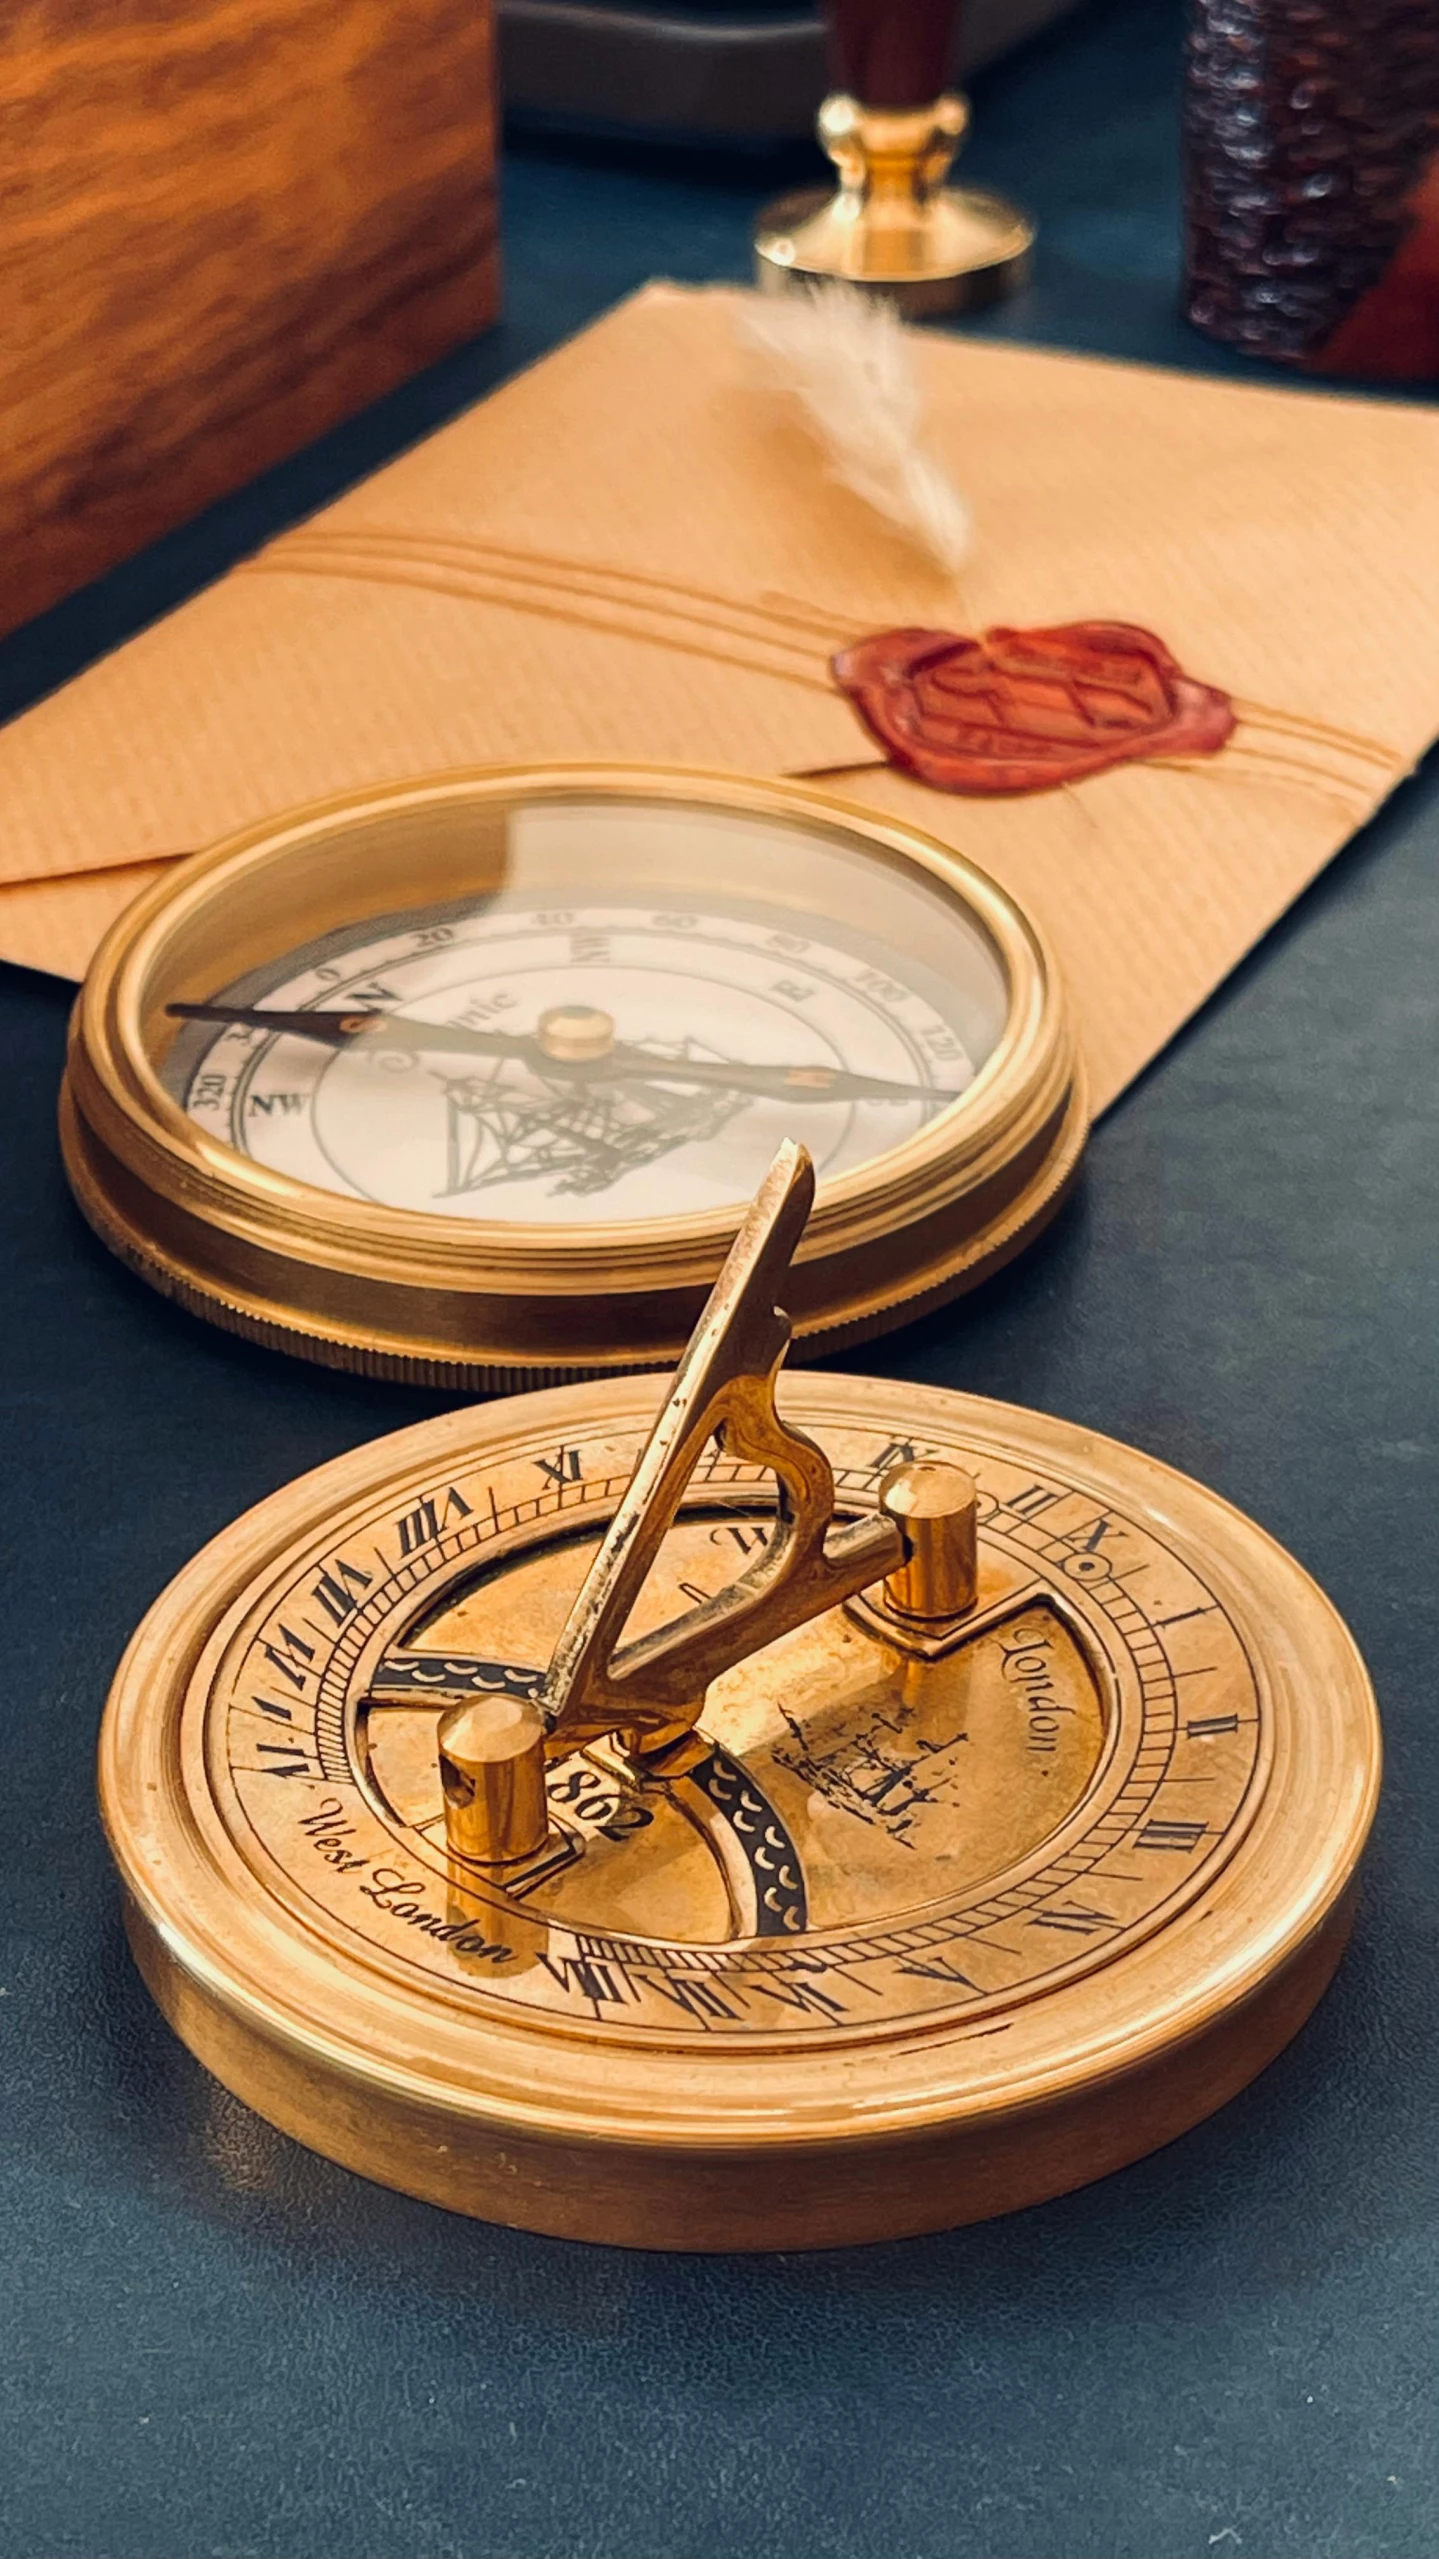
572 1034
935 1509
492 1771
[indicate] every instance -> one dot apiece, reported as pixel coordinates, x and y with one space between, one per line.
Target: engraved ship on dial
769 1812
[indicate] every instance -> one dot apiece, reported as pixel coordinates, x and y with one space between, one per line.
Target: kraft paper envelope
634 551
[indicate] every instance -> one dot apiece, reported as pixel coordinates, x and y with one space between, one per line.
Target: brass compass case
685 1818
667 972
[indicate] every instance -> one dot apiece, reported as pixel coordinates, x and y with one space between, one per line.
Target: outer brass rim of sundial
963 2052
452 1301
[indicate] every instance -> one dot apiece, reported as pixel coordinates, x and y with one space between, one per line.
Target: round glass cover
642 1002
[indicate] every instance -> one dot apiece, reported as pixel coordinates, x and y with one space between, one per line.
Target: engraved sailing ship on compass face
581 1140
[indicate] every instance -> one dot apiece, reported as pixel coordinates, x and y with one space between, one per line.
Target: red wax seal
1026 710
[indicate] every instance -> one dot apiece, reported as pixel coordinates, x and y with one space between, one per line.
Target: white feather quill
845 356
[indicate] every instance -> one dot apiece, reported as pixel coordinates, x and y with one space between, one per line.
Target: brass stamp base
976 252
892 228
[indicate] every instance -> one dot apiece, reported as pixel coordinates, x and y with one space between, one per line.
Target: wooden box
224 225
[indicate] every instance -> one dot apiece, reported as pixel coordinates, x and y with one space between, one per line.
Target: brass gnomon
919 1547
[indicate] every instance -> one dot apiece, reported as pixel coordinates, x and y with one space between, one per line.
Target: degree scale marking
217 1080
820 1980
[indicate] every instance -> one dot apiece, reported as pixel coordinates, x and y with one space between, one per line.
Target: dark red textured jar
1312 182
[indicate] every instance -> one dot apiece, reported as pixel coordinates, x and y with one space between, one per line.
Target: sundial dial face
698 1817
872 1841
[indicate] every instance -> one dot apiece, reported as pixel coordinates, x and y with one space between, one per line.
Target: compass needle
746 1809
612 1063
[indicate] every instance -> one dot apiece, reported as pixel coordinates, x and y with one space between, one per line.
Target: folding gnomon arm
493 1749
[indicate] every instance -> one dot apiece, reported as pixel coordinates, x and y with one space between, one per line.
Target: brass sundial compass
702 1816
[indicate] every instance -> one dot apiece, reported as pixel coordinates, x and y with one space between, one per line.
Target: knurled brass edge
982 1255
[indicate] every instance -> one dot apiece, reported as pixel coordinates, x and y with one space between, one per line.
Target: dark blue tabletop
218 2344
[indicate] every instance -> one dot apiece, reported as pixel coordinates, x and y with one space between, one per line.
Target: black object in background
709 70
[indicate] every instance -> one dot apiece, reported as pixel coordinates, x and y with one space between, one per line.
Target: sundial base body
938 1805
731 2200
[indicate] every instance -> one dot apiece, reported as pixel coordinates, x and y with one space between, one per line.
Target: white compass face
588 1050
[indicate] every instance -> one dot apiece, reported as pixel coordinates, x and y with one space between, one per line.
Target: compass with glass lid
469 1080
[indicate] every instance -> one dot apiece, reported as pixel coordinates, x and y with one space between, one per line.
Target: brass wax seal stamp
894 226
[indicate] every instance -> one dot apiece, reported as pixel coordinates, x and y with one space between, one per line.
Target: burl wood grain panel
224 225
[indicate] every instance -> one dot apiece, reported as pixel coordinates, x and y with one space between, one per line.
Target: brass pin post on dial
936 1511
492 1772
